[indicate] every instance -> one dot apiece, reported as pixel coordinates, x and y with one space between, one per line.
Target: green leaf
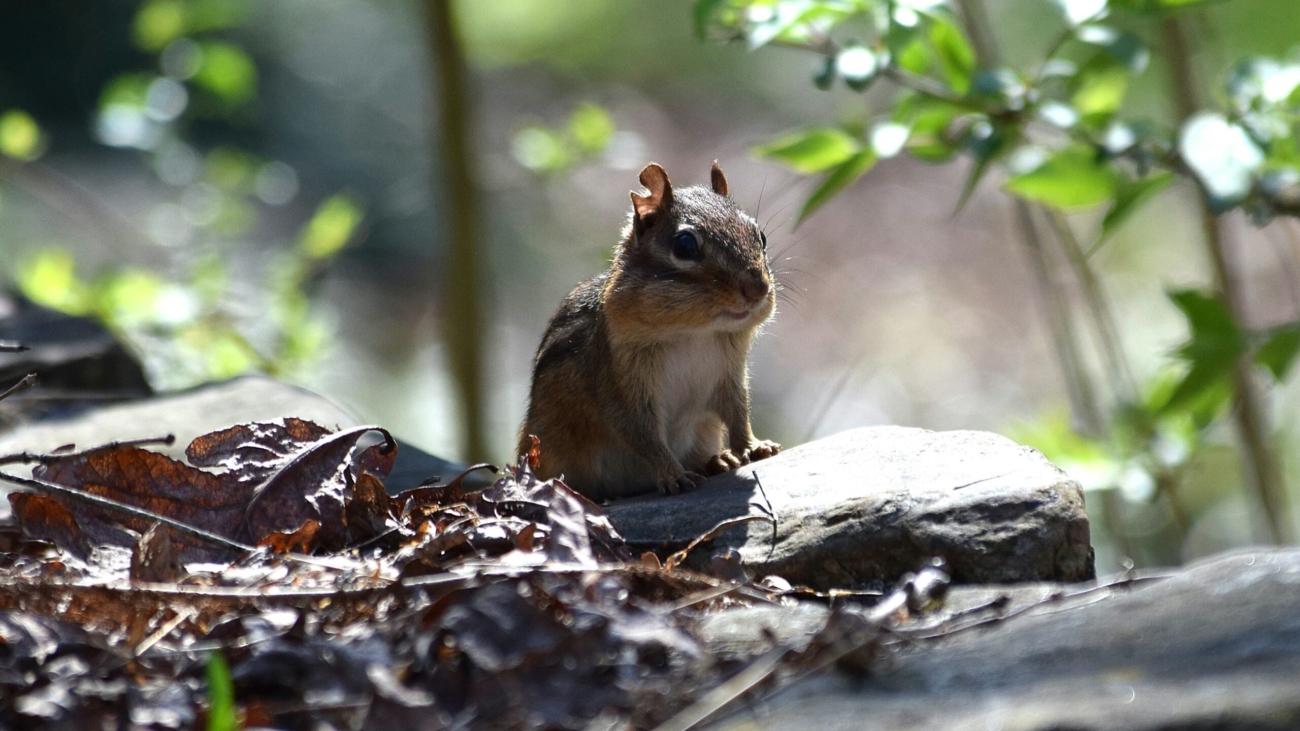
1202 381
704 10
331 228
1129 197
792 21
49 278
539 149
128 90
1278 353
1211 324
221 695
1214 345
1072 178
590 127
127 297
227 72
157 23
1157 6
1123 46
915 56
20 136
811 151
930 121
839 178
1099 88
955 53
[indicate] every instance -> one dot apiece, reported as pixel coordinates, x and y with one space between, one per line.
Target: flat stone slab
861 508
1213 646
191 413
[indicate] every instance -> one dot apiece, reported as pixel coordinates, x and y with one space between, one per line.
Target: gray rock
864 507
1214 646
188 414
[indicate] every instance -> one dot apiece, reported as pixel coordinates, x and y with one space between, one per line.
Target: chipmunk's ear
719 179
645 207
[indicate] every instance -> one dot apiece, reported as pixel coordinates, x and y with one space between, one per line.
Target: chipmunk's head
692 259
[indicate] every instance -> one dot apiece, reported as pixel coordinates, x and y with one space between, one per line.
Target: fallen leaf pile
131 581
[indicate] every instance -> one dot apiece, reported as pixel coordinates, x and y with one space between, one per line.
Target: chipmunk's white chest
691 369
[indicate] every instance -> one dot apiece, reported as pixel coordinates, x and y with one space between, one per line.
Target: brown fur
642 372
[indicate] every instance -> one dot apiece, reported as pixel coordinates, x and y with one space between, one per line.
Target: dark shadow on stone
78 362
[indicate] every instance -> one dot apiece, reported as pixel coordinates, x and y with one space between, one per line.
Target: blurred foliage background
1070 221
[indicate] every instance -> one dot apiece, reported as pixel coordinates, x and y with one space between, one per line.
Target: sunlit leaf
930 121
157 23
838 179
330 228
955 54
1257 82
1099 89
1222 156
20 136
914 56
228 72
127 297
1157 6
858 66
221 695
129 90
539 149
811 151
793 21
1129 197
1278 352
1079 11
49 278
1072 178
888 139
226 354
590 127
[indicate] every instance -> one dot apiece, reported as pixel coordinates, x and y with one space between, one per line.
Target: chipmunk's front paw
726 461
685 482
760 450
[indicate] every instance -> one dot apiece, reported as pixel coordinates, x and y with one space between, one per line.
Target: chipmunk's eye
763 235
685 246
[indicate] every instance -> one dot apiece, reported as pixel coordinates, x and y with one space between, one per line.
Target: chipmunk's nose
754 289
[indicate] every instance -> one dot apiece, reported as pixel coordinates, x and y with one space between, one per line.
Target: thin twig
771 514
27 382
109 503
713 532
56 457
718 698
1103 319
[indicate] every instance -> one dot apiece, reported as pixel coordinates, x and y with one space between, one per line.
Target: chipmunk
643 368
